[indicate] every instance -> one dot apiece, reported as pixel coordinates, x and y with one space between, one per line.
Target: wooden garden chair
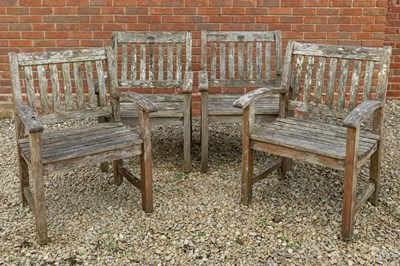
158 65
227 72
330 82
52 87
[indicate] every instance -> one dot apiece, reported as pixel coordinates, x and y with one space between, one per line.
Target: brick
264 3
174 3
21 43
54 2
30 19
112 10
161 11
304 11
91 43
173 19
198 3
137 11
30 2
209 11
316 3
292 3
149 3
220 19
65 10
101 2
291 19
20 27
340 3
303 27
233 11
316 20
224 3
125 2
125 19
138 27
89 10
185 11
196 19
108 19
364 3
77 2
257 11
149 19
8 3
32 35
17 10
280 11
67 43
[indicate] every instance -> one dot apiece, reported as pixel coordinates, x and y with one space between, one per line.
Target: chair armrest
187 82
361 112
29 118
203 81
252 96
142 102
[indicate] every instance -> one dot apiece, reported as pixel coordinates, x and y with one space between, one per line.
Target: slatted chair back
333 80
60 86
152 60
242 59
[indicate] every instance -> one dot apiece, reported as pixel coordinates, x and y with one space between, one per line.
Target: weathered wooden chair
52 87
152 64
230 74
330 82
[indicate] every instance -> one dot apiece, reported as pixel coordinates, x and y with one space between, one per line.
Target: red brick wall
37 25
392 38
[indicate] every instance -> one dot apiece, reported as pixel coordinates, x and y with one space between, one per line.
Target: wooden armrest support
361 112
203 81
252 96
29 118
142 102
188 82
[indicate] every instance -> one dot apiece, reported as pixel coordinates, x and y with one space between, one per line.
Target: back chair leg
23 178
104 167
118 178
187 135
204 132
374 174
287 165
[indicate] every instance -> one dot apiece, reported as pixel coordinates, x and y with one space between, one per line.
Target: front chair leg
247 175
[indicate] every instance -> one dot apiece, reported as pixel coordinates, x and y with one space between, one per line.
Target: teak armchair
231 64
52 87
327 81
159 66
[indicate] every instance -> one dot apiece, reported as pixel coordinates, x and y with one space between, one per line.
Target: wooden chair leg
187 133
147 182
23 177
118 178
287 165
204 132
350 182
247 175
104 167
39 209
374 174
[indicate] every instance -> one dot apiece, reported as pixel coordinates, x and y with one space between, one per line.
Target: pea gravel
198 219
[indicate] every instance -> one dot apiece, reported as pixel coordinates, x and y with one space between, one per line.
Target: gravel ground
198 219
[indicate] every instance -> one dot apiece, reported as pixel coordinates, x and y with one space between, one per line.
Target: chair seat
313 137
222 104
82 141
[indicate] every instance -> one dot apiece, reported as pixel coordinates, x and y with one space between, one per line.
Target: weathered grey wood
23 169
231 60
188 51
151 84
142 61
118 178
239 83
249 60
15 78
131 178
187 124
90 83
222 63
319 80
203 50
29 197
343 83
29 118
321 110
67 86
179 61
101 83
44 101
297 76
251 97
134 61
383 74
269 170
79 85
364 197
140 101
247 155
203 81
55 87
30 87
188 82
308 79
160 61
369 73
361 112
124 64
258 60
278 51
240 60
331 81
232 36
151 61
170 68
204 131
268 61
157 37
214 61
355 80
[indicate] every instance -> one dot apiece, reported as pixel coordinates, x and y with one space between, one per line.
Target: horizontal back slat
70 56
146 37
232 36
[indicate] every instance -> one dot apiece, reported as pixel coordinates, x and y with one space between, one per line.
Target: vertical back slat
124 70
179 61
297 76
30 88
241 59
188 52
231 60
79 85
355 80
250 60
222 62
319 80
151 61
15 78
258 59
331 81
101 83
369 73
142 61
308 79
203 50
381 85
67 86
90 84
268 61
55 87
342 83
170 68
213 61
43 83
133 61
160 61
278 54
